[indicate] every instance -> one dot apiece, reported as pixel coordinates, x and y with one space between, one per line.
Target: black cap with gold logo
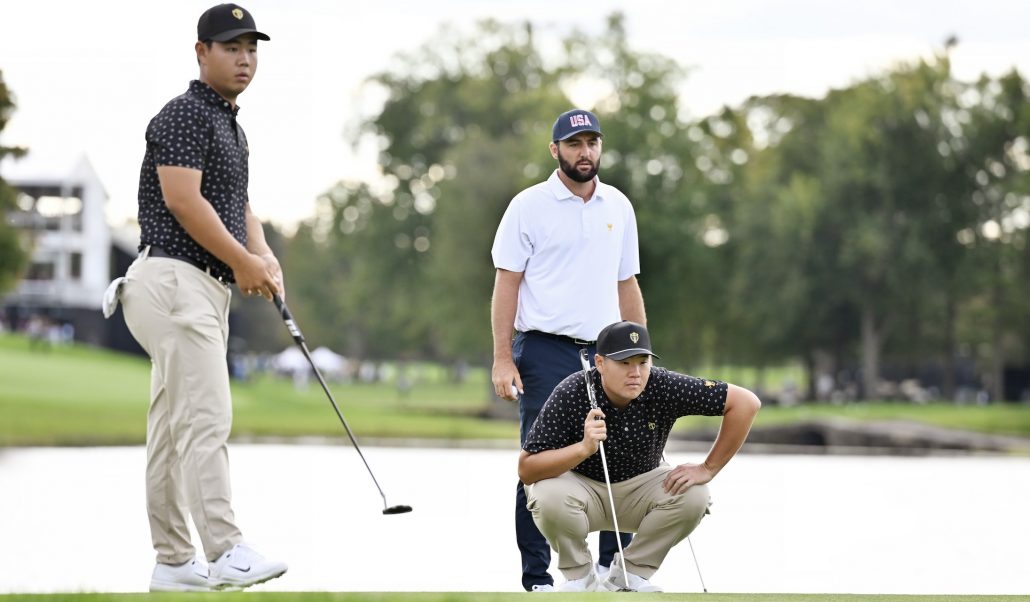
226 22
624 339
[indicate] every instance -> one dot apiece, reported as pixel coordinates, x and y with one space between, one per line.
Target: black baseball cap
573 122
226 22
624 339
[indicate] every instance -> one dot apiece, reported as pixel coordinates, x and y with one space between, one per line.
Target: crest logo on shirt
610 227
238 14
634 337
709 383
651 425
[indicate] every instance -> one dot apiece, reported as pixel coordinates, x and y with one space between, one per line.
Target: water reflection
74 520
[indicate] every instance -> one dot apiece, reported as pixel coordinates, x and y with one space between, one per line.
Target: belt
561 337
156 251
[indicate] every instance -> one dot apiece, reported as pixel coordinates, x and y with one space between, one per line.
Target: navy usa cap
624 339
573 122
226 22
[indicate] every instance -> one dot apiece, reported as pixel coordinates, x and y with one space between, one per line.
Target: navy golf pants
543 362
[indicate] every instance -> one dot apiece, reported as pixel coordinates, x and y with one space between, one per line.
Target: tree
12 255
464 127
997 164
863 207
468 126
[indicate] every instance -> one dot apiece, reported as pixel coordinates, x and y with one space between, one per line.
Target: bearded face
579 156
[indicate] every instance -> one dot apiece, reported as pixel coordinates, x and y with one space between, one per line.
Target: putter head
399 509
613 587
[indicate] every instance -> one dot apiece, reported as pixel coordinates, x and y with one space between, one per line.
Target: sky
88 76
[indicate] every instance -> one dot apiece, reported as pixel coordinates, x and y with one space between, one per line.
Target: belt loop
145 252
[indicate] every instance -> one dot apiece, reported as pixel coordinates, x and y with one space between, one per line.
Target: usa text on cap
573 122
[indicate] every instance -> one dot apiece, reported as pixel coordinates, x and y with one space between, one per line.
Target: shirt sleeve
179 136
689 395
630 263
512 245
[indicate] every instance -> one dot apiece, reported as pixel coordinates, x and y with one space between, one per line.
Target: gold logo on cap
237 13
709 383
634 337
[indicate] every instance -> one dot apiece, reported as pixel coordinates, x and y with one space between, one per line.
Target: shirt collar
207 94
562 192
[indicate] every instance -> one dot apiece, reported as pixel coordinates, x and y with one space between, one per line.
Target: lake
74 520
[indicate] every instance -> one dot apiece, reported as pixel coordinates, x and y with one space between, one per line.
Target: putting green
492 597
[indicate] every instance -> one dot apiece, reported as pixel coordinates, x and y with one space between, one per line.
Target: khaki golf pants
568 507
179 315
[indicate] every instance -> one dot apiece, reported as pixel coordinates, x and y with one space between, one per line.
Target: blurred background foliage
877 233
882 225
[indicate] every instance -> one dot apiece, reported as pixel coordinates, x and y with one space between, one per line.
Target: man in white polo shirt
567 258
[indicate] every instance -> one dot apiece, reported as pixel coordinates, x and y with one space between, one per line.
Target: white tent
329 362
291 360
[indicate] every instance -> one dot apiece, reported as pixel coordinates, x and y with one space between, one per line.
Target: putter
604 464
696 565
299 338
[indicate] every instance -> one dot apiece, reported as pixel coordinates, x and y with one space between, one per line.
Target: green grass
76 395
1000 419
490 597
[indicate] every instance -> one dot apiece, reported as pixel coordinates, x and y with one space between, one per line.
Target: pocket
518 345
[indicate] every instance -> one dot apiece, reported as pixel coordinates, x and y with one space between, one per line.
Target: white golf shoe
585 584
187 577
545 587
242 567
616 581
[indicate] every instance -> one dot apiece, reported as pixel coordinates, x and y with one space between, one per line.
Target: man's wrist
239 256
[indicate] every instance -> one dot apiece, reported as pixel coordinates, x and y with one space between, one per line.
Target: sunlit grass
75 395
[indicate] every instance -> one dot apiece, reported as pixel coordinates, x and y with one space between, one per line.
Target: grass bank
76 395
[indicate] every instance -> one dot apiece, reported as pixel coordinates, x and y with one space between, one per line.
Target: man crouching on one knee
637 405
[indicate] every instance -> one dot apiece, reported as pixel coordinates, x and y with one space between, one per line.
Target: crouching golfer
637 406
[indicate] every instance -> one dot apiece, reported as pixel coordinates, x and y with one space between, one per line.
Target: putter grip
288 318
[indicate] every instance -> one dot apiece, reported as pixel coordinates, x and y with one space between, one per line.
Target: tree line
878 231
881 225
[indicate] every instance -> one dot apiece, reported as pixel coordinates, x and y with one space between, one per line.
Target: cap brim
232 34
571 134
627 353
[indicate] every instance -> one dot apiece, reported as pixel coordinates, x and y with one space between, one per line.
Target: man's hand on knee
685 476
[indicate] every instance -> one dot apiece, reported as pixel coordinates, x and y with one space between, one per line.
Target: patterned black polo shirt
197 130
637 433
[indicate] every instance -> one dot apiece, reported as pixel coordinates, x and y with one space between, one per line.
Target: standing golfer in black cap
567 258
198 236
637 406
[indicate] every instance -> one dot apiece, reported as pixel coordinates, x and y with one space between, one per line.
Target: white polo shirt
572 255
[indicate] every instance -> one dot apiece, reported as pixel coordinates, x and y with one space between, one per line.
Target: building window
76 266
40 270
46 207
